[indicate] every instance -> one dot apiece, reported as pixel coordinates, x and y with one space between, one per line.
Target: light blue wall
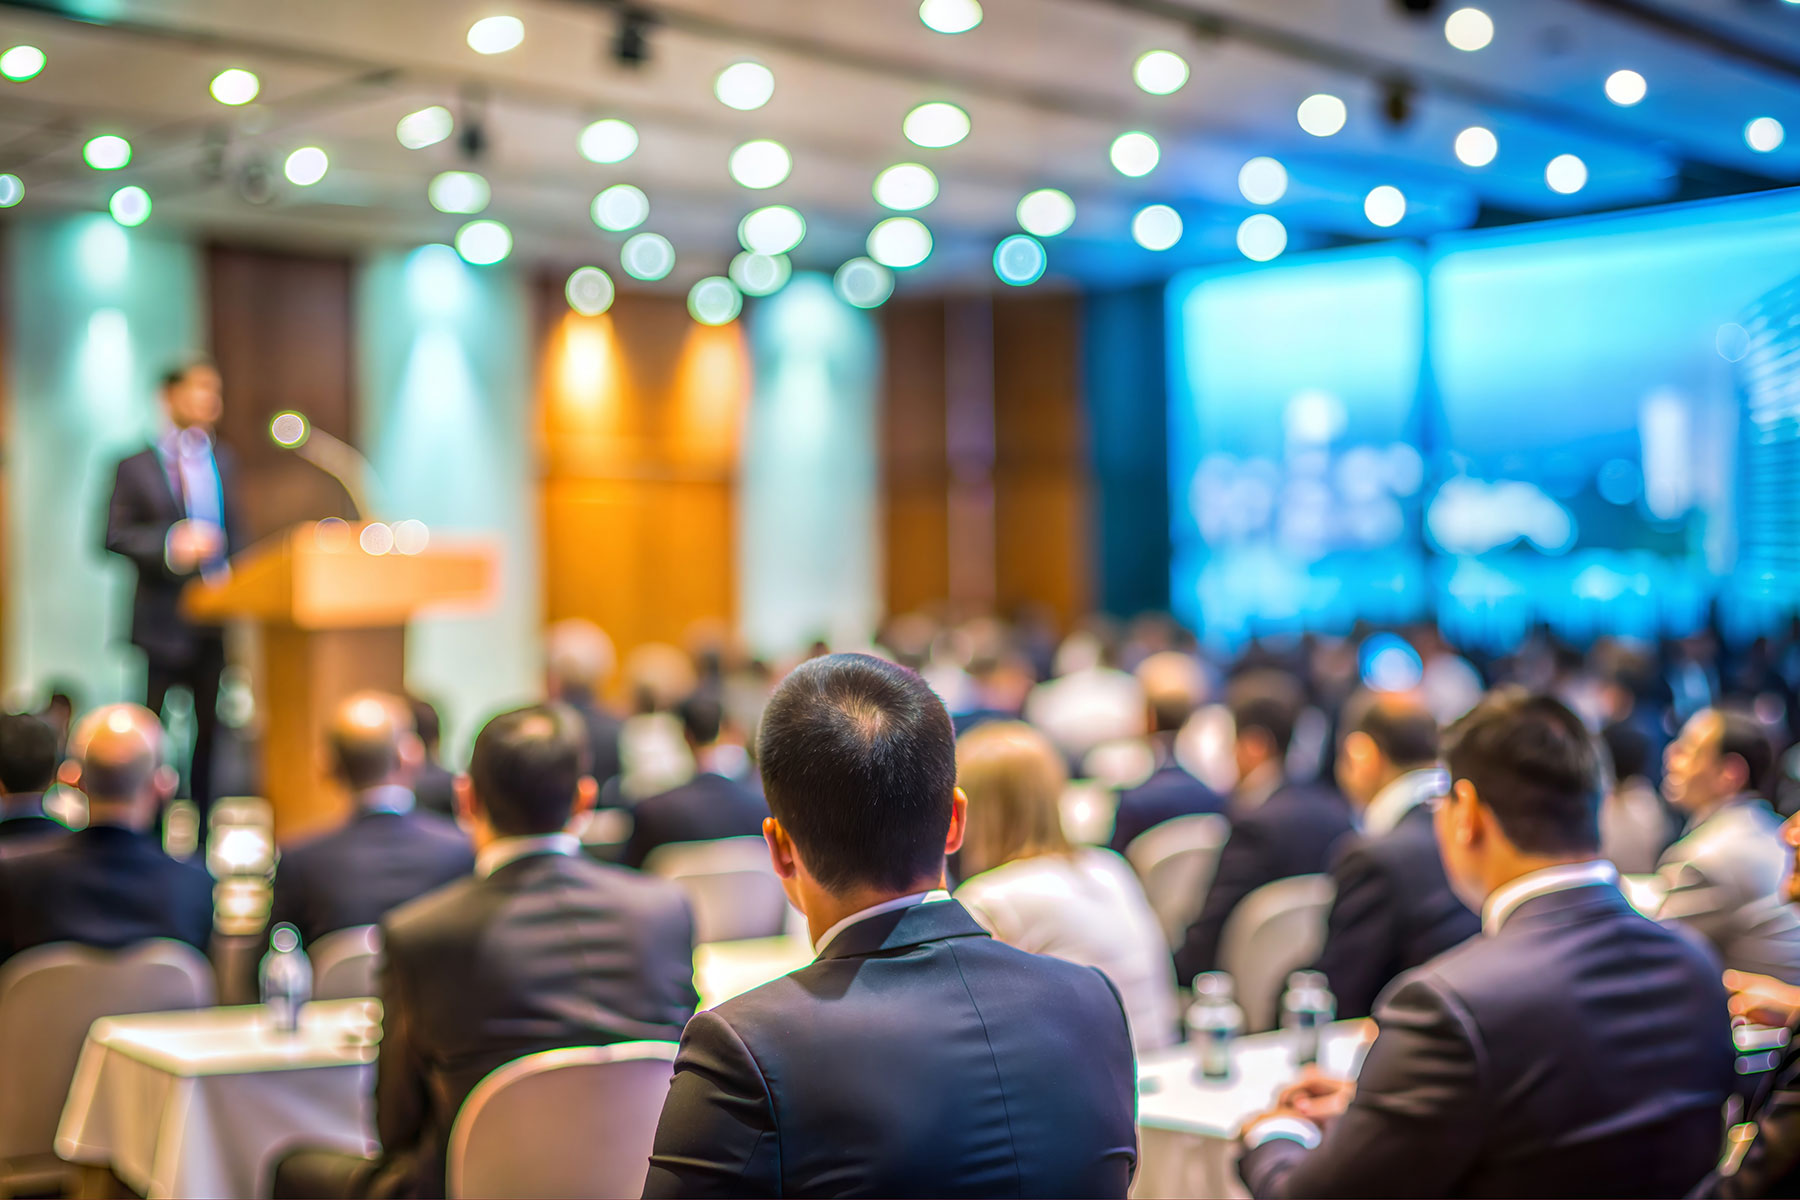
98 312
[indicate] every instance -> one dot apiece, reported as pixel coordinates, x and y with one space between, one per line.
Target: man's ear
781 849
959 822
465 801
587 793
1469 823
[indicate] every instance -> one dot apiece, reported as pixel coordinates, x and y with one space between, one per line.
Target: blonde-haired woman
1033 890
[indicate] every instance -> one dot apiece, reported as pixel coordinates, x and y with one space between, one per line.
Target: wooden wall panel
915 479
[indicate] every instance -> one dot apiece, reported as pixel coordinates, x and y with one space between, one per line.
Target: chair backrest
577 1122
1087 810
346 962
50 995
730 884
1274 931
1175 860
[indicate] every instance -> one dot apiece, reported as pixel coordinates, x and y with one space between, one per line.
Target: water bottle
1306 1009
1213 1022
286 978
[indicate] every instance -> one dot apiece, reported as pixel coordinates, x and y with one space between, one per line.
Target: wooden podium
332 618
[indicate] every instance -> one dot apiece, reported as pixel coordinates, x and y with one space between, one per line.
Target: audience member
1089 702
1394 908
1635 824
1173 689
1033 890
388 852
27 769
708 806
1578 1049
434 784
578 662
1723 879
1278 829
918 1056
543 948
109 885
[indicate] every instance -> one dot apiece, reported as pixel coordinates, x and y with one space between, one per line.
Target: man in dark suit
918 1056
109 885
1394 908
388 852
27 769
434 784
542 948
171 514
1172 690
1278 829
578 661
1577 1049
708 806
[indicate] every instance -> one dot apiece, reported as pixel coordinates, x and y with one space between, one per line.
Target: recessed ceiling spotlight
427 127
589 291
1566 174
1262 180
936 125
900 242
1160 72
458 192
1046 212
130 205
620 207
1135 154
1157 227
1468 29
1764 134
108 152
496 35
950 16
1020 260
1625 88
21 63
1322 114
1261 237
864 283
1476 146
760 164
1384 206
904 187
608 141
744 86
306 166
647 256
235 86
484 243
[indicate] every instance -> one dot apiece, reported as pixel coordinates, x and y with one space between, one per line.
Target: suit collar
902 928
20 805
1553 888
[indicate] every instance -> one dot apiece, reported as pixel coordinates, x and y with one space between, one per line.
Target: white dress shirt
1506 898
934 896
387 798
507 850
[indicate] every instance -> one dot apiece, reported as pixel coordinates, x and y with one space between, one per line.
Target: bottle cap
285 938
1213 985
1307 981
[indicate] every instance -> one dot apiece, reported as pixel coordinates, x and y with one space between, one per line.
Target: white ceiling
1047 84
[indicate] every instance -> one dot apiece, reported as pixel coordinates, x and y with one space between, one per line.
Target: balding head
1174 688
578 657
118 754
1383 736
372 741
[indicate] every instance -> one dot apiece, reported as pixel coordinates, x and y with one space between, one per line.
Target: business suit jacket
436 789
370 865
102 886
1291 833
29 826
1770 1165
1170 792
1582 1050
139 514
917 1057
1723 880
551 950
1393 911
706 807
603 730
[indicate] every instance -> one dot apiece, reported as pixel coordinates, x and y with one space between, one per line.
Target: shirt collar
1741 800
875 910
386 798
508 850
1401 796
1505 899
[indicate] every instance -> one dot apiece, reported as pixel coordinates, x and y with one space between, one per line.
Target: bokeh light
759 274
1160 72
484 242
1626 87
1156 227
1135 154
1020 260
589 291
1262 180
776 229
289 429
376 538
427 127
608 140
306 166
620 207
1322 114
1566 174
1261 237
1385 205
936 125
130 205
905 187
21 63
1468 29
1764 134
1046 212
715 300
950 16
760 164
458 192
235 86
647 256
863 283
1476 146
744 86
496 35
900 242
12 190
108 152
411 536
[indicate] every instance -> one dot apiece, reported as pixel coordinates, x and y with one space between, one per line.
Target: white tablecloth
1187 1126
202 1104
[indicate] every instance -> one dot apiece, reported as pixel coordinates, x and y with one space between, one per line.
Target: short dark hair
1400 725
179 371
702 716
1266 699
858 761
1629 748
1742 734
526 767
1535 765
363 761
27 753
426 722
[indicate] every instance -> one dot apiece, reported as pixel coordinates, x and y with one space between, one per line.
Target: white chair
49 996
1087 810
1275 930
1175 860
574 1122
346 963
733 889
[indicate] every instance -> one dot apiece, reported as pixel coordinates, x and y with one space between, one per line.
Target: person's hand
1790 837
192 543
1317 1097
1762 1000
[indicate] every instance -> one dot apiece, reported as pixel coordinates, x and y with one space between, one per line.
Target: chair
346 962
49 996
733 889
1275 930
573 1122
1175 860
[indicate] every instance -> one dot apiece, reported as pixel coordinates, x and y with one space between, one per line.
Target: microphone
337 458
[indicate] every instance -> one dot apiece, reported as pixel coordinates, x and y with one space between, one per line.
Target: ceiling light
1468 29
1046 212
760 274
760 164
427 127
1020 260
1262 180
905 187
1625 88
1157 227
1476 146
900 242
647 256
936 125
306 166
107 152
1764 134
1322 114
21 63
1385 205
235 86
1566 174
130 205
715 300
1261 237
950 16
744 86
1135 154
863 283
1160 72
620 207
12 190
458 192
608 141
484 242
496 35
589 291
776 229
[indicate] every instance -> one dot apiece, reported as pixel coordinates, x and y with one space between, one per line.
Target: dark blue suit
29 824
917 1057
1583 1050
704 808
358 873
1169 793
